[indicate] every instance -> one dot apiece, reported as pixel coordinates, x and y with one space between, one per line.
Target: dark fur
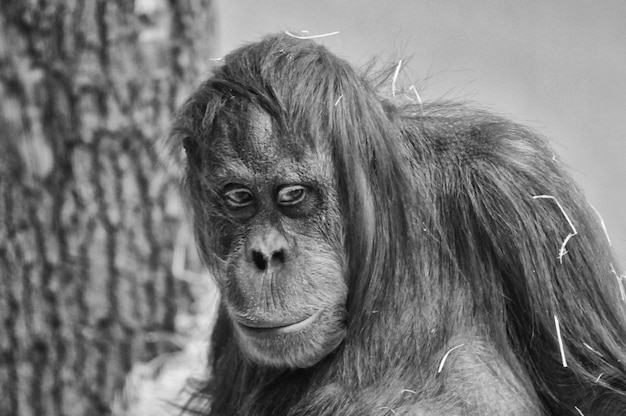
444 246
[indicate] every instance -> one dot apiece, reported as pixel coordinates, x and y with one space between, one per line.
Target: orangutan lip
269 329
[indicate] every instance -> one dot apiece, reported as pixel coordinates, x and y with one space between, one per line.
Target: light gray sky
558 66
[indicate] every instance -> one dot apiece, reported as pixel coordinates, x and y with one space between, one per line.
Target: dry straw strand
395 78
562 250
558 334
592 350
606 233
445 357
620 282
322 35
418 98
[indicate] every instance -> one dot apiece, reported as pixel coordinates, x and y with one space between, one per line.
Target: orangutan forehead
260 140
258 144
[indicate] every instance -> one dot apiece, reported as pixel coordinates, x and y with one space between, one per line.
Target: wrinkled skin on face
271 219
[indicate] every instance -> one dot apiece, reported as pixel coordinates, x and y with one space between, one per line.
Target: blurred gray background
557 66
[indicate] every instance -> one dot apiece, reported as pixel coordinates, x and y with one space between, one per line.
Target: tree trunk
88 216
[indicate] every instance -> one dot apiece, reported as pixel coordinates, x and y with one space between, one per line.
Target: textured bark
88 216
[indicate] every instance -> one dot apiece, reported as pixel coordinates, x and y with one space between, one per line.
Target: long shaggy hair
462 234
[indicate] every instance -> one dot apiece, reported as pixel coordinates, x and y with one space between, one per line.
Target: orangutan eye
291 195
238 197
